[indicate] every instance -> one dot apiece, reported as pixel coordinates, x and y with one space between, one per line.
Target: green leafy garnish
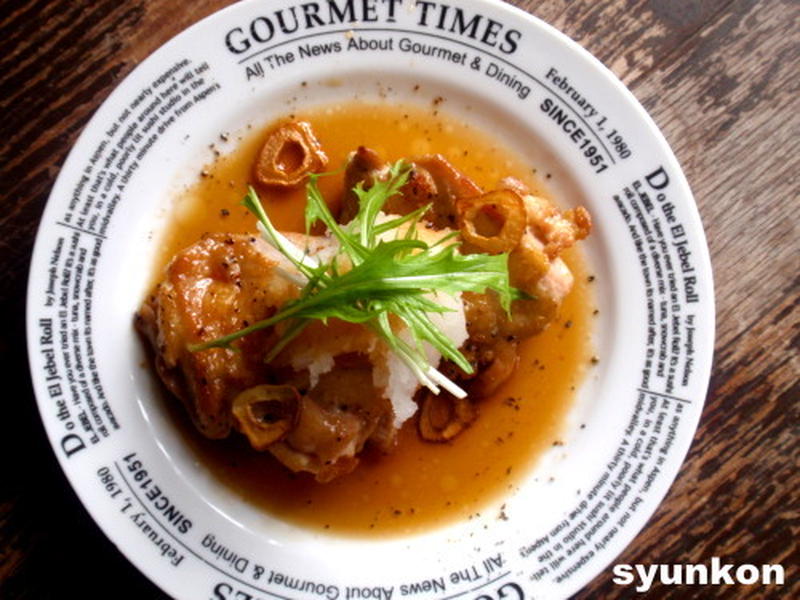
389 271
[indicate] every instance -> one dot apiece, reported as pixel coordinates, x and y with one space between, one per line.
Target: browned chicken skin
213 288
218 286
433 180
534 241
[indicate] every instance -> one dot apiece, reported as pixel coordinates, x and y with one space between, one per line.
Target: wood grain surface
719 77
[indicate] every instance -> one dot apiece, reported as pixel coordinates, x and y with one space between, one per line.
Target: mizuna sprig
389 272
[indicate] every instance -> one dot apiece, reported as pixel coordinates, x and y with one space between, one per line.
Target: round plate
635 416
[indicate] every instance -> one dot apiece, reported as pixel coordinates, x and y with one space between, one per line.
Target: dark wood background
720 77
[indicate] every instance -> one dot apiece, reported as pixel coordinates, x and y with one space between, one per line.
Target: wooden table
720 77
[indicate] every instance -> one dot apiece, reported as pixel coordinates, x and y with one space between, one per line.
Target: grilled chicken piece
218 286
336 419
534 263
432 180
449 185
535 268
215 287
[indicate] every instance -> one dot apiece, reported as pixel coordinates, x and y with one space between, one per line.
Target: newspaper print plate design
507 73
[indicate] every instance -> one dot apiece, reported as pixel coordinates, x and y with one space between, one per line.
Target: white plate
528 84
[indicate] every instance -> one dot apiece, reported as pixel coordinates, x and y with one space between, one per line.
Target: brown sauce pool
421 485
